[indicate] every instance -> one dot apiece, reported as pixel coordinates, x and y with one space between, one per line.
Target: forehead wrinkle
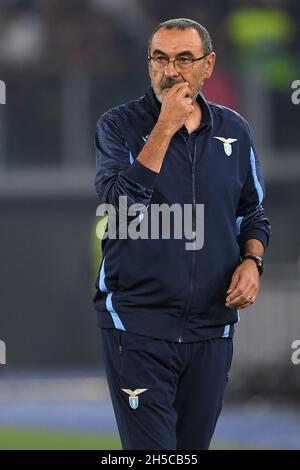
182 52
173 42
175 49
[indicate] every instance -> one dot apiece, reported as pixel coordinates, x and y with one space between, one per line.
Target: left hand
244 286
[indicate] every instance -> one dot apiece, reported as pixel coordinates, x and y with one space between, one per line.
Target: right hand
176 107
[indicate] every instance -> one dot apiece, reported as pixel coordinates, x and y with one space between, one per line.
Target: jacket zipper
193 162
120 342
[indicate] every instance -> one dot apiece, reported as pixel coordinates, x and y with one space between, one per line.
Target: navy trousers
165 395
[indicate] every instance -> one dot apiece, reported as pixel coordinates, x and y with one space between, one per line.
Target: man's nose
170 70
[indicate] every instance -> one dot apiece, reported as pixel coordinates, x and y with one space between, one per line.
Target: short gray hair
185 23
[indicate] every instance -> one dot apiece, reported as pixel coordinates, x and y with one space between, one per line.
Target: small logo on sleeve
227 144
133 398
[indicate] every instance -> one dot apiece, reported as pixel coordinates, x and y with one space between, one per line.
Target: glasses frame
174 60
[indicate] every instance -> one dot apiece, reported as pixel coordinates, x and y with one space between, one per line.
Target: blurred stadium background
64 63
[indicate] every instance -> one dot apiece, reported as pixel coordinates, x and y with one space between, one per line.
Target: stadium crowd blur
45 43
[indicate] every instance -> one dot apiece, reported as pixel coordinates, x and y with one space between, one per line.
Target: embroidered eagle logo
227 144
133 398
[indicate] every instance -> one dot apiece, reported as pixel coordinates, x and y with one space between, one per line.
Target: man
167 313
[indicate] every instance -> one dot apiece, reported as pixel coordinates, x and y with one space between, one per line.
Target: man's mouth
169 83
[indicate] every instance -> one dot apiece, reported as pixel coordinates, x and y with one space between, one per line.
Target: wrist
164 130
257 260
252 253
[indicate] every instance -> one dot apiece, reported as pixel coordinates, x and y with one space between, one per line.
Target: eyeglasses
180 63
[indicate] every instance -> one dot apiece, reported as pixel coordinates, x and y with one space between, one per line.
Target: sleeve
252 222
117 173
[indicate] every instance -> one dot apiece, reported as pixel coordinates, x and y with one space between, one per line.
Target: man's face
174 43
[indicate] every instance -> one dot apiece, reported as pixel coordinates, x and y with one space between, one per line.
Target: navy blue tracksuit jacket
157 288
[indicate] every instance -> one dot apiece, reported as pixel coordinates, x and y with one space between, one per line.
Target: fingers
189 101
248 303
180 89
239 293
233 284
242 292
176 87
244 299
243 288
190 109
178 105
184 91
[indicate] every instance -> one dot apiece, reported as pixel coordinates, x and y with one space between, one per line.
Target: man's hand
244 286
176 107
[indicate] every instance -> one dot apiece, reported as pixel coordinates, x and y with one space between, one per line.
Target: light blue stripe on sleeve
256 182
238 224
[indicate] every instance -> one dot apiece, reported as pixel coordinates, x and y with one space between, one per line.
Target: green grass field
32 439
29 439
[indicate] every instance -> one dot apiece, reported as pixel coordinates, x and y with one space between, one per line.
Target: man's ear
209 65
149 69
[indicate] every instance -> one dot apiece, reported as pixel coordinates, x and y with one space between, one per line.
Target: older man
167 312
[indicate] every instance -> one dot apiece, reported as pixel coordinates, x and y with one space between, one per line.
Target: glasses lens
184 63
160 62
